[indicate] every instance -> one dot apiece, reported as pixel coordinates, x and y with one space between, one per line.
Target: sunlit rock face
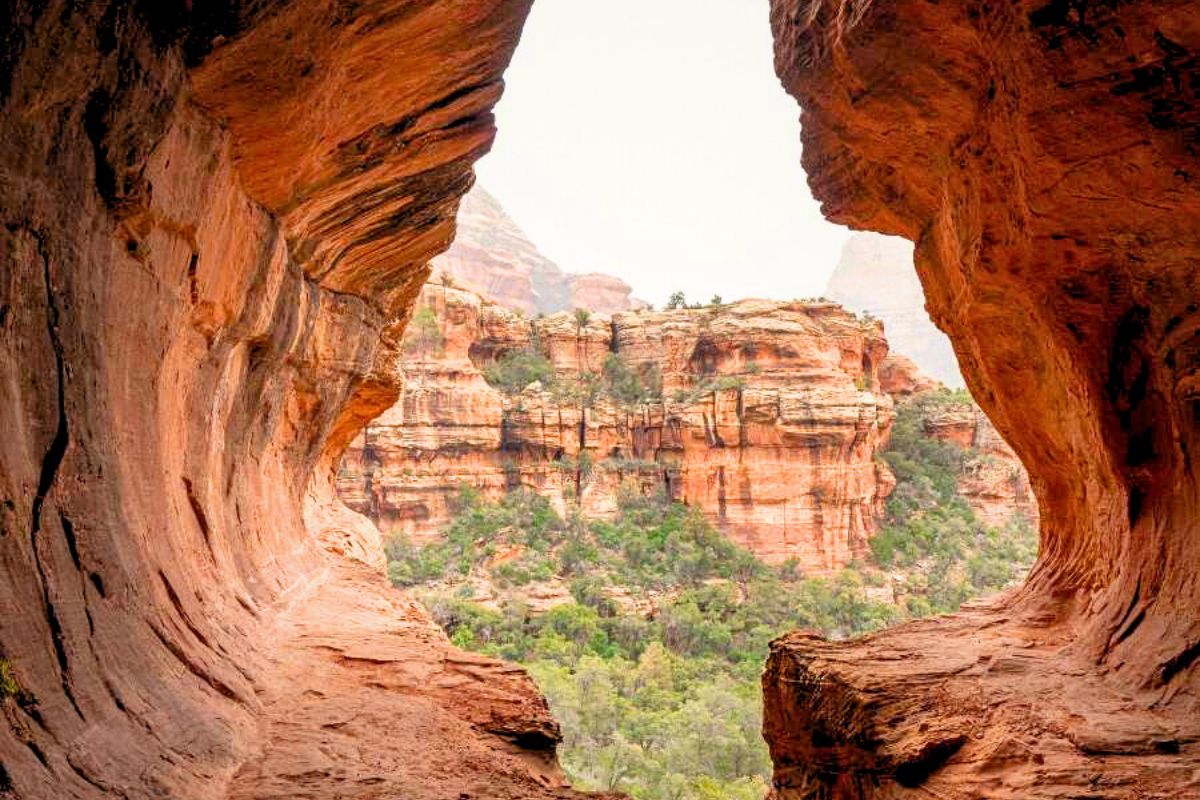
215 221
875 275
1042 155
493 257
769 420
900 376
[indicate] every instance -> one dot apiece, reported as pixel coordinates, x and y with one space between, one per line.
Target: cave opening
631 501
213 267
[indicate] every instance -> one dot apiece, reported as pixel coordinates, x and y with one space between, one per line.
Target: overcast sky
651 139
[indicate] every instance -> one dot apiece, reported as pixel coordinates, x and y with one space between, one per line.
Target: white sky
650 139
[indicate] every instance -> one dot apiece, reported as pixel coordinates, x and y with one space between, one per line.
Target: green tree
516 369
423 336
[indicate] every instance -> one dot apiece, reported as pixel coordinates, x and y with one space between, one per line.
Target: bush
516 369
631 387
423 336
931 530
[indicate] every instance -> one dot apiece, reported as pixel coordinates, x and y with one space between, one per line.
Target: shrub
629 387
516 369
423 336
11 687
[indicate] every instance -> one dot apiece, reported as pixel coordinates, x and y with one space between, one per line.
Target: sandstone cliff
210 211
1042 156
766 415
214 220
875 275
493 257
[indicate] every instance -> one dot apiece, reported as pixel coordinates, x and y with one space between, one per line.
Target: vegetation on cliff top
652 665
626 385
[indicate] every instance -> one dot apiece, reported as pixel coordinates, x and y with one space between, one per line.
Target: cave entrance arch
184 354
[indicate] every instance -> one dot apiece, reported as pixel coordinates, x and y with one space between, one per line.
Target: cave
216 219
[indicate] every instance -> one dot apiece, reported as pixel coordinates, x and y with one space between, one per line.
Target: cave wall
214 219
1043 158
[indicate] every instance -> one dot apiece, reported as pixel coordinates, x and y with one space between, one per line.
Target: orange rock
899 376
769 422
214 221
493 257
994 482
1042 156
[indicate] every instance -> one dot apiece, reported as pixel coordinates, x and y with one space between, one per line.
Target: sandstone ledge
1007 712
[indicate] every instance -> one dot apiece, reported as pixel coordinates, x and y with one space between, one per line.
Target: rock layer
214 219
769 420
1042 157
493 257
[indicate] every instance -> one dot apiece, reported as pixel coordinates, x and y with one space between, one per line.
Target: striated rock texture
875 275
493 257
769 420
215 217
1042 155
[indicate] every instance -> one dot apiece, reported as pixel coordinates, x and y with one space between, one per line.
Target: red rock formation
768 422
209 214
899 376
1042 155
605 294
994 482
493 257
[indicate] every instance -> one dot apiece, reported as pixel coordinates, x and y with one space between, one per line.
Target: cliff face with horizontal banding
1042 155
214 222
769 420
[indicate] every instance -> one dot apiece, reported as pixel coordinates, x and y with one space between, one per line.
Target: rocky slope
875 275
493 257
995 483
214 220
1042 157
769 418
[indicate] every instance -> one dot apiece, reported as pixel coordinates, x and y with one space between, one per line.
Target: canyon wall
215 218
1042 155
994 483
875 275
493 257
769 419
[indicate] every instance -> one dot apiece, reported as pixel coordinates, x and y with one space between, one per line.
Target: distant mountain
493 257
876 275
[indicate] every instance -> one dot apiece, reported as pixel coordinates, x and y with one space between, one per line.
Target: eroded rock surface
493 257
769 420
1042 155
214 220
